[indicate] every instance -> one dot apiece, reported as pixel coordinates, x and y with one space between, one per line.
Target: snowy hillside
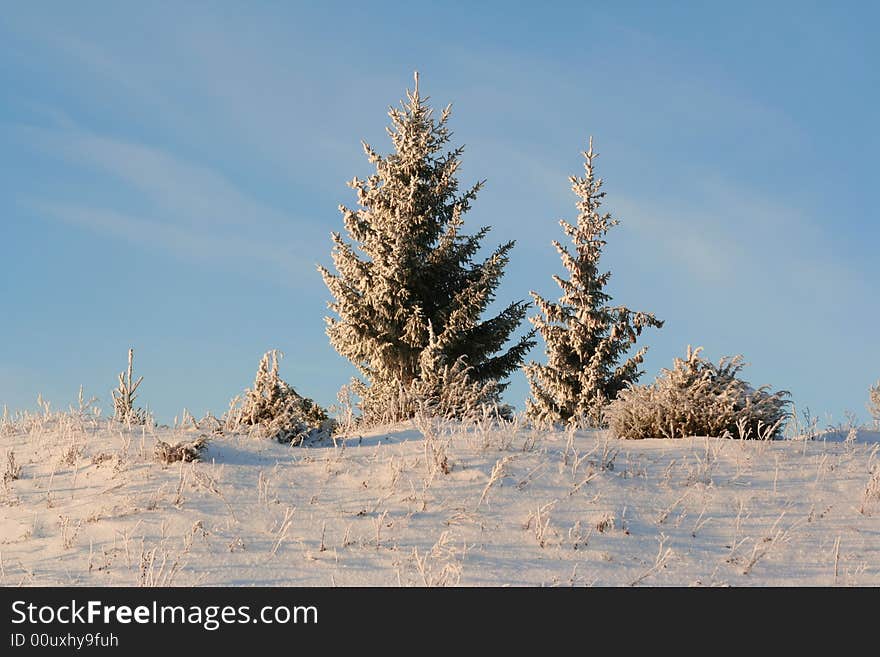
85 501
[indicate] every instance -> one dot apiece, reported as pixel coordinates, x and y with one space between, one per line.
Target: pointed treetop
416 76
588 157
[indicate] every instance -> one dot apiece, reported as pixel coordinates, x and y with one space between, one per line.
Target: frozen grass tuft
186 451
13 469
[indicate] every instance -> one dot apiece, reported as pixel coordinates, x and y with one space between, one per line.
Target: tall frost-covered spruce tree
586 339
407 292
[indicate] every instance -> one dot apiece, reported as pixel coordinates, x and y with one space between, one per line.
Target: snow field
428 503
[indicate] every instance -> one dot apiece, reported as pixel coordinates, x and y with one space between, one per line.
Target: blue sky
171 173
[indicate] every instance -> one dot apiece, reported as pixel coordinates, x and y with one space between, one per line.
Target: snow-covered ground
470 505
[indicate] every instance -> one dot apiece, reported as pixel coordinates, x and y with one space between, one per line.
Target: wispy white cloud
204 80
727 236
116 74
719 230
191 209
196 194
224 250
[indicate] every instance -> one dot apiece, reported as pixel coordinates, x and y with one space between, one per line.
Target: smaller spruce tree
586 339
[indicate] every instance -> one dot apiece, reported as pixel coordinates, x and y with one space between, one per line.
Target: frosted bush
874 403
445 391
450 391
273 409
698 398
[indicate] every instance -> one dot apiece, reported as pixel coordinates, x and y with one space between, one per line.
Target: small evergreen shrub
273 409
698 398
123 397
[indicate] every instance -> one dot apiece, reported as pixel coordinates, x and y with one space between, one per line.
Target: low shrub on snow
186 451
698 398
273 409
